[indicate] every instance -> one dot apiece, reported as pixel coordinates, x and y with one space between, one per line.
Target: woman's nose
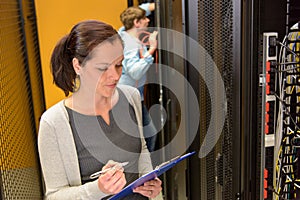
115 72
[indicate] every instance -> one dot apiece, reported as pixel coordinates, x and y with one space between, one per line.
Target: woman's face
102 72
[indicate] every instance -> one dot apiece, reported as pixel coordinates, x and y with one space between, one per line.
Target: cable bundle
287 147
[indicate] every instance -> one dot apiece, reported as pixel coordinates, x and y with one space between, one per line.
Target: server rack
232 34
22 101
215 25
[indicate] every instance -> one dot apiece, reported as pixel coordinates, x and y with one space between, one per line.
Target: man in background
138 58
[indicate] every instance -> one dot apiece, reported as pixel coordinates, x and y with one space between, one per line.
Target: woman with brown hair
98 126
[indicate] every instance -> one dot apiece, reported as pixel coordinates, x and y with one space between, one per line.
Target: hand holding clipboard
160 169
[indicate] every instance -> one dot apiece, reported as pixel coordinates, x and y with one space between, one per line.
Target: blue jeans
148 129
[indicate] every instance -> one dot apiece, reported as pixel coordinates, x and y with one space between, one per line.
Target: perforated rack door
218 31
20 87
215 27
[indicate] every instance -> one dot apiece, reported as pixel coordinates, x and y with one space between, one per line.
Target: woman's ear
76 66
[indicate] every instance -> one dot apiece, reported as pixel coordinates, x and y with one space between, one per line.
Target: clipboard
159 170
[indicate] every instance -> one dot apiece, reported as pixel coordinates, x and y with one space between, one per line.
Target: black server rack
211 64
221 55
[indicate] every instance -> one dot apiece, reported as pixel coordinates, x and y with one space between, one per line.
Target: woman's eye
102 69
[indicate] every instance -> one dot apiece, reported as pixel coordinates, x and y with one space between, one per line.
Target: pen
97 174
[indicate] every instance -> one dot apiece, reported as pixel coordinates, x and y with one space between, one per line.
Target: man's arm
148 7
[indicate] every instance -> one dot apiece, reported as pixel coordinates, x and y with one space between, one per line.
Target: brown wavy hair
79 43
128 16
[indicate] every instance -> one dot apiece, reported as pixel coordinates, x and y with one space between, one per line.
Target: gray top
58 156
93 156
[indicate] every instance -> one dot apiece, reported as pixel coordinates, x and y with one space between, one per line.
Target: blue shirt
135 65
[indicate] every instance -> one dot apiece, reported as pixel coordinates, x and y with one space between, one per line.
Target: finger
155 182
114 175
118 185
147 188
153 185
109 164
147 193
155 33
118 167
113 184
111 176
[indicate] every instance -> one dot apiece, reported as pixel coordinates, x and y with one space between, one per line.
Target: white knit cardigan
58 156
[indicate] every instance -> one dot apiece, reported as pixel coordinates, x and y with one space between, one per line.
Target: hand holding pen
114 166
111 178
